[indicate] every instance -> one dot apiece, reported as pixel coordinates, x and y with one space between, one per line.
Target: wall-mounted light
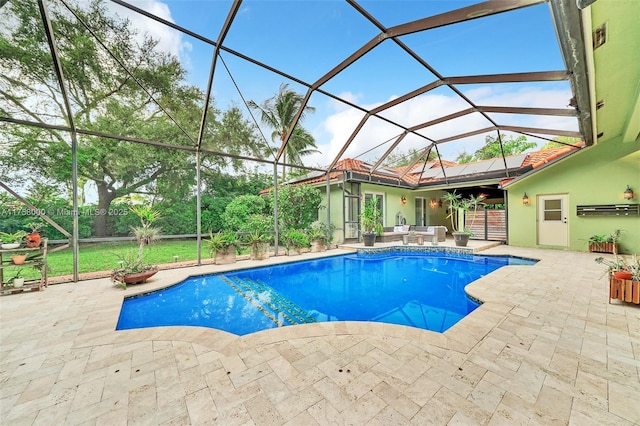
403 200
525 199
435 203
628 193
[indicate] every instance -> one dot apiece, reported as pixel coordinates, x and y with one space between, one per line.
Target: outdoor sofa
395 233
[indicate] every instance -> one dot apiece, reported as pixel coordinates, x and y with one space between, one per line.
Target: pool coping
461 337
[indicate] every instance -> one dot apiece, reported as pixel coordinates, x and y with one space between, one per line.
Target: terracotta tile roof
348 164
533 159
542 157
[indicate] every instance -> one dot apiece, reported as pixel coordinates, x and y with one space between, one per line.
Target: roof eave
569 30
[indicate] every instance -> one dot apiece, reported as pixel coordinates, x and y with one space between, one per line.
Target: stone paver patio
546 347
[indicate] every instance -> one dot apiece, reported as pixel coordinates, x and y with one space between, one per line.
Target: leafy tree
298 205
401 158
104 98
560 141
219 184
464 157
278 113
212 216
510 146
491 148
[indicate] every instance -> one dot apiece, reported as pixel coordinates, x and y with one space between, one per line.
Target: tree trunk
105 197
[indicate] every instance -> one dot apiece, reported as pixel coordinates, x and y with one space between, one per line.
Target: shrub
295 238
238 211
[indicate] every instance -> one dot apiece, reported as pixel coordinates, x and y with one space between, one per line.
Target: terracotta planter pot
137 278
33 239
18 259
622 275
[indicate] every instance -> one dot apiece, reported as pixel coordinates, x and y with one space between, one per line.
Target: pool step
275 306
301 316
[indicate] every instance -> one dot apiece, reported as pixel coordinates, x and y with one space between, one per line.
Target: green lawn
103 256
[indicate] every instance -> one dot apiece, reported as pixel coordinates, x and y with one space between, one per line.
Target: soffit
617 68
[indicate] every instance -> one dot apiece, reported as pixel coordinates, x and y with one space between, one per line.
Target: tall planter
318 246
294 251
461 238
369 239
225 255
259 251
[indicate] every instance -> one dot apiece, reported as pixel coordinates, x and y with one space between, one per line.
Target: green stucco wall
597 175
393 205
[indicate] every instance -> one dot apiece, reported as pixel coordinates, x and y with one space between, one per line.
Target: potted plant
634 267
319 236
18 259
618 267
294 241
33 238
17 280
457 207
132 270
256 232
604 243
222 247
371 222
11 240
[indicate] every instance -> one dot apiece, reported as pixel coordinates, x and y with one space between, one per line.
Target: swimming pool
424 290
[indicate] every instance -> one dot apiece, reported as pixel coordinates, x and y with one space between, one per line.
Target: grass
104 257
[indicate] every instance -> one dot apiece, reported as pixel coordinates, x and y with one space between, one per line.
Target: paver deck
546 347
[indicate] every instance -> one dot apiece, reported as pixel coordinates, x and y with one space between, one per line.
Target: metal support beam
475 11
198 208
276 236
48 28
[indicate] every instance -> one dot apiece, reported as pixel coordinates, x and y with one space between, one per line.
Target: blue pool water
424 290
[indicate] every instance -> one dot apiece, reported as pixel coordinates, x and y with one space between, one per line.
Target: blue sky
306 39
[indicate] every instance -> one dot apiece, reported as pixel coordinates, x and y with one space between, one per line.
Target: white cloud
169 40
340 125
347 96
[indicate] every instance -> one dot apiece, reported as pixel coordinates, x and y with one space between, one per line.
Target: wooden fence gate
487 224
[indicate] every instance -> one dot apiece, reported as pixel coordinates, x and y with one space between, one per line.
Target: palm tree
278 112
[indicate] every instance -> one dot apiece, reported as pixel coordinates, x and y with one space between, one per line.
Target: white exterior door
553 226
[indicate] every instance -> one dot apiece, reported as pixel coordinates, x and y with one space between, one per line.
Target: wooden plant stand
37 257
625 290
